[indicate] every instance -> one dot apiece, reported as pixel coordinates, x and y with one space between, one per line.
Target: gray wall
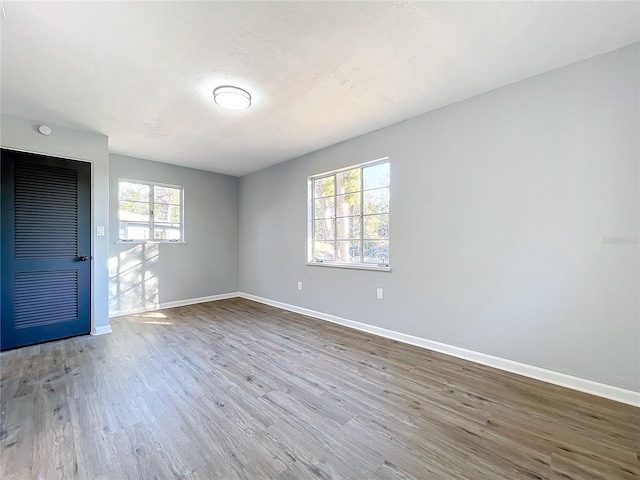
144 276
21 134
499 206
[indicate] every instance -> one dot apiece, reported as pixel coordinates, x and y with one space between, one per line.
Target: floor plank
238 390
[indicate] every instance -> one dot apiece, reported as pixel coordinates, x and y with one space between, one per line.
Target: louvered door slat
43 298
46 212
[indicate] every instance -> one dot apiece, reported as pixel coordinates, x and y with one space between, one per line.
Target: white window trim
310 219
182 240
138 242
352 266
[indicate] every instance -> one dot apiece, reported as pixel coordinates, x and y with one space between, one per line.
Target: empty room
320 240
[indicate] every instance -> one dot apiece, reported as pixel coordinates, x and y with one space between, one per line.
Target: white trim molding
549 376
101 330
177 303
588 386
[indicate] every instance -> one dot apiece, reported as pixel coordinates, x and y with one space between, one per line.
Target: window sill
376 268
140 242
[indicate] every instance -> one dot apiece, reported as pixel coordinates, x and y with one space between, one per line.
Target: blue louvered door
46 245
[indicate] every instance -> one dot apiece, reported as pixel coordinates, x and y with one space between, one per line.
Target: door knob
83 258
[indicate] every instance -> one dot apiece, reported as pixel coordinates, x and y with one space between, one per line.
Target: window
149 211
349 216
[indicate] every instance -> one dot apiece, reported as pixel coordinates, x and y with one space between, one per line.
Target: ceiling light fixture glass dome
231 97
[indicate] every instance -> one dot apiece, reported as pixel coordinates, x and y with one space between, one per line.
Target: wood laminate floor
239 390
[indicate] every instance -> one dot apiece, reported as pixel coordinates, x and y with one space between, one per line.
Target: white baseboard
588 386
178 303
101 330
583 385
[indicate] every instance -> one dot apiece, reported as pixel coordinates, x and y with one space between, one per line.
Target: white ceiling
319 72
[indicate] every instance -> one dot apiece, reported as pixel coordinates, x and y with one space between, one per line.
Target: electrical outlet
299 285
379 293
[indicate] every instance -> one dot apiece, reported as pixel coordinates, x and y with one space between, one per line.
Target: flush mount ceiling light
233 98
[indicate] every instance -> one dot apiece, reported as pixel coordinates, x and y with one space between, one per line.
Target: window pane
134 216
134 212
376 176
348 204
376 201
324 187
133 191
348 228
350 215
324 207
348 251
376 226
166 213
324 251
349 181
166 232
133 231
166 195
324 229
134 221
376 251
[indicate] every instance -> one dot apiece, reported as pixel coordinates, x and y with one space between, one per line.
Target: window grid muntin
151 209
361 215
